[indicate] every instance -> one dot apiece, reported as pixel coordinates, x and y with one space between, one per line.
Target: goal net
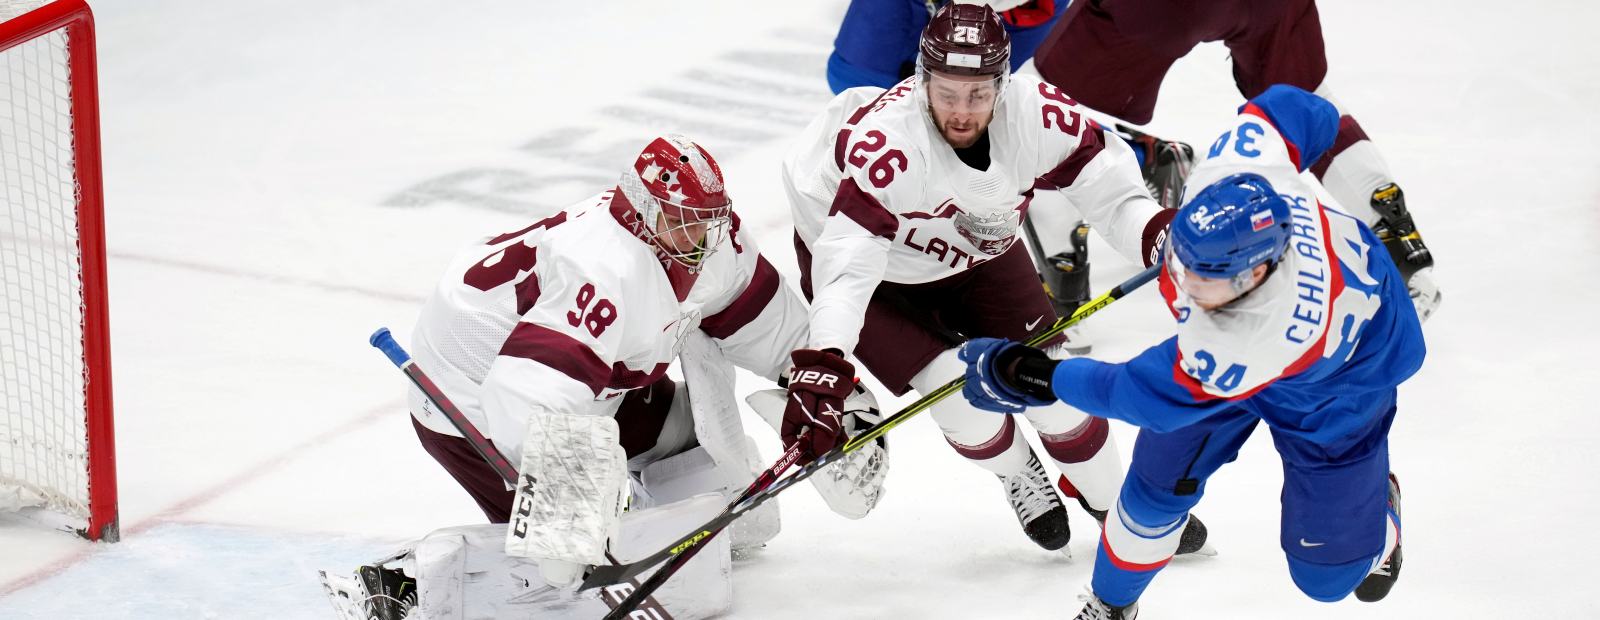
56 458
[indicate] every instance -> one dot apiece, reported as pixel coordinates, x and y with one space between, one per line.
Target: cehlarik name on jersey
1311 279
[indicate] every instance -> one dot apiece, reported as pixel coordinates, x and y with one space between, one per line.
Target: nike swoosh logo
1303 543
1035 322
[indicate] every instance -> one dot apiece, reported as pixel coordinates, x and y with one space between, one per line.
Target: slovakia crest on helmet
991 233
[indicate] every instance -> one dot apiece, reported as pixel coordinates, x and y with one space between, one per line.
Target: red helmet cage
677 178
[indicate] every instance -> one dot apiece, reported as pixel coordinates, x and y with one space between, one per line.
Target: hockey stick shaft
385 342
657 580
608 575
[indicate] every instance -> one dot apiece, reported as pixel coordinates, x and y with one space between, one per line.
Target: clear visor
1206 292
689 235
962 95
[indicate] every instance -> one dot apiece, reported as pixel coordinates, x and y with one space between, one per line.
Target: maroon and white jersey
878 195
570 313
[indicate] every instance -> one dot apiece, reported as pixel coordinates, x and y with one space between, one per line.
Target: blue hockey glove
992 380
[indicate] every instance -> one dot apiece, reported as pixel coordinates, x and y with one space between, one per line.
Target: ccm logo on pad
812 376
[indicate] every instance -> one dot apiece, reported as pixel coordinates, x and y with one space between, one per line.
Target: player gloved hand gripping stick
608 575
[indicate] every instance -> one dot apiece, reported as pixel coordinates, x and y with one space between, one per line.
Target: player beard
961 134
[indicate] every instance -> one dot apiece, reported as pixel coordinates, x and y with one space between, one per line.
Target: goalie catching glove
852 485
1006 377
818 385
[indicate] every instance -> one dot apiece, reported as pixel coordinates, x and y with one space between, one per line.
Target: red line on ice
172 513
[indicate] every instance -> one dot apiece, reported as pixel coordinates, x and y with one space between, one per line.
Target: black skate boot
390 593
1038 508
1193 539
1066 280
1096 609
1194 533
1072 491
1398 232
1379 581
1166 165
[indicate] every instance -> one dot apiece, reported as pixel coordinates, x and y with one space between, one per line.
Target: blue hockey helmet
1231 226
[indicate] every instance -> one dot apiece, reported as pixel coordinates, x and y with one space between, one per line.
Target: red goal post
57 455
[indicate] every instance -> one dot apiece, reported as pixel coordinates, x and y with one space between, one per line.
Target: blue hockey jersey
1316 349
879 37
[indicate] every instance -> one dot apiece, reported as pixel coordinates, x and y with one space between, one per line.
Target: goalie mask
677 203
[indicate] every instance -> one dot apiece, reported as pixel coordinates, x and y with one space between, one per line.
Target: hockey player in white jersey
906 207
1289 312
555 341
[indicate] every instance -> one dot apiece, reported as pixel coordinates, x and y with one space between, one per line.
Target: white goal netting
43 444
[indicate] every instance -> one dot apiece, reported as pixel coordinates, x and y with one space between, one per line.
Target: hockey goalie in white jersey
906 205
555 341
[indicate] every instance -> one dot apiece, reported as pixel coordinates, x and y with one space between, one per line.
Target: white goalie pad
853 485
464 573
572 490
709 378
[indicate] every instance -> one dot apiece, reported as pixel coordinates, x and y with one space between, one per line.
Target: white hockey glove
853 485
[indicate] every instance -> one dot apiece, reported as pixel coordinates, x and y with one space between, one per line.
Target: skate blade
345 594
1205 550
1065 552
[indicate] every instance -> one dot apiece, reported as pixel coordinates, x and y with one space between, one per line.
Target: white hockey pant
1081 446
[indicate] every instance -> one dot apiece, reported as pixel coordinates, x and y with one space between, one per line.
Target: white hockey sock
1357 168
1083 449
990 440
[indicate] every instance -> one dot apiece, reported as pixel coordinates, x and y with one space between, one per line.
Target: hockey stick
386 343
608 575
626 607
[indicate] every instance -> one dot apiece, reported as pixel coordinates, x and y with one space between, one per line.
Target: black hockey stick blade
625 608
613 574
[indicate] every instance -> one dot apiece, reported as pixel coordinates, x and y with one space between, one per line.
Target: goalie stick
626 607
385 342
608 575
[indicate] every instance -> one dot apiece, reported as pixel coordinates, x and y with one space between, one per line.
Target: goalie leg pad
572 489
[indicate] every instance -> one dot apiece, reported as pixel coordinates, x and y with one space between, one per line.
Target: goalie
554 341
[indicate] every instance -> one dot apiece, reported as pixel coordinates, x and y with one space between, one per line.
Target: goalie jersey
572 312
878 195
1316 349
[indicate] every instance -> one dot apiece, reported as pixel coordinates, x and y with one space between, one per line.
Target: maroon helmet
966 39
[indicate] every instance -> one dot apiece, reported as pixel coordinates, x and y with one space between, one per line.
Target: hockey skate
1194 539
1066 281
1381 579
1166 165
1399 235
1096 609
1038 508
389 594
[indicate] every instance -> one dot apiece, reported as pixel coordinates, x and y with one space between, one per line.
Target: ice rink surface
283 178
